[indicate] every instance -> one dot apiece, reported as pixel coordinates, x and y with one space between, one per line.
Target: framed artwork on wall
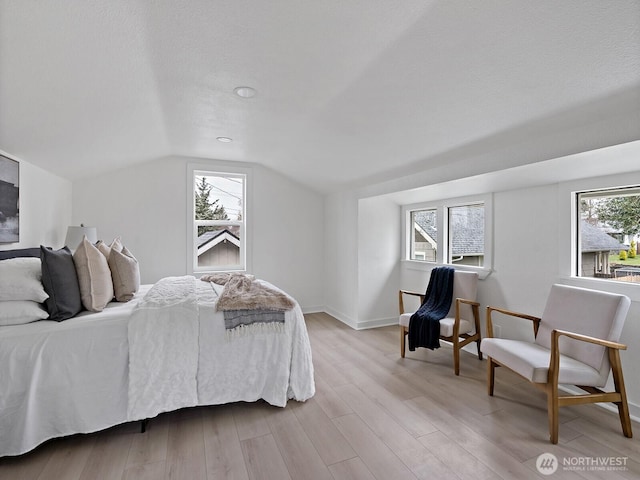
9 200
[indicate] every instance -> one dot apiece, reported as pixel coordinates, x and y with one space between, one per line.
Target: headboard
21 252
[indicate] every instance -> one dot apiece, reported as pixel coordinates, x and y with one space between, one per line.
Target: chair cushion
446 324
532 362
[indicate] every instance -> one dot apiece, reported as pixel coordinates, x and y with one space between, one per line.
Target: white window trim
214 168
568 229
441 207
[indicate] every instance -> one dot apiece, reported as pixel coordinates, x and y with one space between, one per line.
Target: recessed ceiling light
245 92
224 139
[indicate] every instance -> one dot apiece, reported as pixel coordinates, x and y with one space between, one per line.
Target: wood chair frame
554 399
455 337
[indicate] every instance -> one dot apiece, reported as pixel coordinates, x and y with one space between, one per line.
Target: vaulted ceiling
345 90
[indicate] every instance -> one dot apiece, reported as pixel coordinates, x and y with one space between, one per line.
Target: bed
135 360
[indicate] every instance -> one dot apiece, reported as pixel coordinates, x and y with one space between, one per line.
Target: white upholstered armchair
461 325
576 343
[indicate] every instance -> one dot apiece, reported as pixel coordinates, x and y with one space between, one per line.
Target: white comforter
163 349
71 377
58 379
180 354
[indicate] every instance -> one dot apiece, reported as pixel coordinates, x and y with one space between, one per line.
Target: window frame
576 214
568 217
442 207
222 170
411 254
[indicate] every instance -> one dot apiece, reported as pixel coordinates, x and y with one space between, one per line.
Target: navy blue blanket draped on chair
424 325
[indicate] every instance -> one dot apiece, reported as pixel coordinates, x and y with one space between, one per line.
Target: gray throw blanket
424 325
236 318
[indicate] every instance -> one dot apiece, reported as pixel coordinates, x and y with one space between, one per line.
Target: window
608 232
424 235
451 232
218 228
466 235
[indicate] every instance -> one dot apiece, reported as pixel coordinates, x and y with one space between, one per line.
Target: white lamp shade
75 234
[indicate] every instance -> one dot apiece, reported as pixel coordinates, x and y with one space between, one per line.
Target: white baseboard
341 317
319 309
375 323
380 322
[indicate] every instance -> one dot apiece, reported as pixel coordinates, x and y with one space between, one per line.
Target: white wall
45 208
341 257
288 245
147 206
378 266
525 249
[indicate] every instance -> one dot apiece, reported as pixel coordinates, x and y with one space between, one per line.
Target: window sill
483 272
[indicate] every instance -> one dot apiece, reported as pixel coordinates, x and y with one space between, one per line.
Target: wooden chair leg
456 357
403 334
478 334
491 374
618 380
552 412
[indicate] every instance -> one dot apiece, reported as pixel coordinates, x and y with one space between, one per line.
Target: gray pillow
60 281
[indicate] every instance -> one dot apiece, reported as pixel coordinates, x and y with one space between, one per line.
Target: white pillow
94 276
17 312
21 279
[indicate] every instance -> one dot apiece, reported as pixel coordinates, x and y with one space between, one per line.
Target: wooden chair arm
555 334
554 361
511 313
468 302
408 292
421 295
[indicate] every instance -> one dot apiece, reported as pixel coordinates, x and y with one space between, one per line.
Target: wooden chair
461 326
576 343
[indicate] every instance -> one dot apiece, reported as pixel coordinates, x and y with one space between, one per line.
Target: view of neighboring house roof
469 230
426 221
594 239
212 238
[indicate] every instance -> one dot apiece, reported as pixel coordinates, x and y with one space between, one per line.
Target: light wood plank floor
374 416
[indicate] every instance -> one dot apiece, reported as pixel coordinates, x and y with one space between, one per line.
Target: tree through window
219 212
608 231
